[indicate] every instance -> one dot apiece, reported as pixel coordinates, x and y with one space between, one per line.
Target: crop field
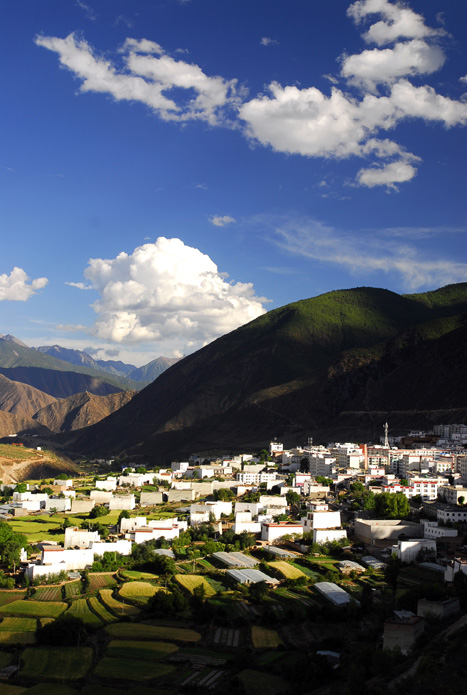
38 609
6 689
10 596
80 609
140 592
286 570
191 581
101 581
124 669
5 659
133 649
48 593
10 638
260 683
226 637
115 606
138 631
40 528
264 638
73 589
105 615
18 625
56 663
51 689
133 574
17 453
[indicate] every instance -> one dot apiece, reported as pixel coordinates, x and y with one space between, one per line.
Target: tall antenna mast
386 440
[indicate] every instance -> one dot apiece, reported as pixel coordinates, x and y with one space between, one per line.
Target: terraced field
105 615
124 669
37 609
191 581
264 638
56 663
140 592
135 649
134 574
138 631
287 570
73 589
10 596
101 581
48 593
80 609
18 625
115 606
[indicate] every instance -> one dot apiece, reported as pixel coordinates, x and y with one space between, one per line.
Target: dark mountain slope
80 410
291 371
21 399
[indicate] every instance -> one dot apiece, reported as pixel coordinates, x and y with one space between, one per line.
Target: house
438 609
82 506
151 499
122 502
323 524
271 532
77 537
101 496
110 484
383 532
408 551
402 630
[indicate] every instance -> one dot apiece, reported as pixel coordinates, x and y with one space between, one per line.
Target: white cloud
219 221
348 122
266 41
463 78
79 285
386 66
147 74
16 287
399 21
367 254
90 14
169 293
387 175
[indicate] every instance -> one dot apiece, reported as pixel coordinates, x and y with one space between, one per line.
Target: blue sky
171 170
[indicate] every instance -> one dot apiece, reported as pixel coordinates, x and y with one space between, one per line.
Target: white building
77 537
271 532
407 551
110 484
452 493
122 502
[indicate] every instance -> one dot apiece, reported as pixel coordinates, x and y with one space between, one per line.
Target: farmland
115 606
138 631
56 663
105 615
140 650
18 625
49 593
140 592
133 574
191 581
100 581
264 638
80 609
287 570
124 669
38 609
10 596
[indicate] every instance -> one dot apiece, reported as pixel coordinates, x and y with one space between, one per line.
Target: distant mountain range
337 365
31 381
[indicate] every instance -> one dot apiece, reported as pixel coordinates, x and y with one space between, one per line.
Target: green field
6 689
286 570
48 593
133 574
148 651
260 683
138 631
56 663
264 638
18 625
105 615
73 589
191 581
17 453
10 596
10 638
80 609
38 609
140 592
5 659
115 606
101 581
124 669
39 528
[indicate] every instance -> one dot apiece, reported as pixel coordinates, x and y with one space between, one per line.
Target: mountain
116 367
339 363
55 376
21 399
80 410
68 355
153 369
11 339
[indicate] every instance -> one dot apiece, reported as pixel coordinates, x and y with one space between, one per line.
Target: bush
67 631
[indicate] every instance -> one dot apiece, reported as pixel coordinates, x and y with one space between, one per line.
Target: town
238 563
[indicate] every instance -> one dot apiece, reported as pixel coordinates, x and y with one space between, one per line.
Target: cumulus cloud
147 75
16 287
361 255
167 292
376 93
219 221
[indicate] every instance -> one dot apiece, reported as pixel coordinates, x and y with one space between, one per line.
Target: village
235 572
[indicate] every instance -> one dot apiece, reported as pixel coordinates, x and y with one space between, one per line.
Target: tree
293 498
124 514
11 544
21 487
66 631
461 500
62 476
98 511
224 494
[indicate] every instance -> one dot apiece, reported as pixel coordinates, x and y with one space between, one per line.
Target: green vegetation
38 609
49 593
105 615
80 609
138 631
260 683
56 663
134 574
287 570
134 649
190 582
10 545
117 607
140 592
124 669
264 638
10 596
18 625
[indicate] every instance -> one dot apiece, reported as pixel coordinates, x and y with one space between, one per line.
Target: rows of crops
48 593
